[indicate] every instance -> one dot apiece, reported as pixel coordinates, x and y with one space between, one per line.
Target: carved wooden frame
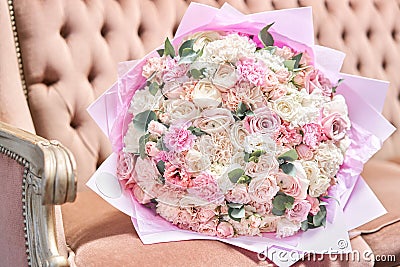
49 179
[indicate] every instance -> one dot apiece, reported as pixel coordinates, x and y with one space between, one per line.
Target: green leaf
265 37
160 52
153 88
270 49
246 156
197 74
242 108
235 174
288 168
297 59
337 85
196 131
236 214
277 212
244 179
234 205
161 145
169 50
320 218
142 145
290 155
161 167
282 202
189 56
141 120
185 45
289 64
304 225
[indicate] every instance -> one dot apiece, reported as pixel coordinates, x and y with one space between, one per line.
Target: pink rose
300 78
264 121
271 81
299 211
225 230
178 138
125 164
312 134
238 194
335 126
282 75
293 186
278 92
140 195
183 219
262 208
316 79
314 202
151 149
208 228
285 52
304 152
156 128
263 189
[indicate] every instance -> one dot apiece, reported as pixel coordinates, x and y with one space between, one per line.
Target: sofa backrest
70 49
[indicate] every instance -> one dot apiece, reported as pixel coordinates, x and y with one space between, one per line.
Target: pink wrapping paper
365 99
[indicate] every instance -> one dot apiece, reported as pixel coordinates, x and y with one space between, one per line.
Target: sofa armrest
43 173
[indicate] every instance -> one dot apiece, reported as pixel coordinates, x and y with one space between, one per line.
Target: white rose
143 100
311 169
285 228
196 161
206 95
263 189
205 145
180 110
214 120
318 185
266 164
286 107
263 142
238 133
203 38
225 77
329 158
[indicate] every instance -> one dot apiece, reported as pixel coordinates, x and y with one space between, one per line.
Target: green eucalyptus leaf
169 49
290 155
320 218
142 145
282 202
289 64
244 179
185 45
277 212
265 37
153 88
235 205
288 168
197 74
237 213
161 167
297 59
235 174
246 157
141 120
161 145
304 225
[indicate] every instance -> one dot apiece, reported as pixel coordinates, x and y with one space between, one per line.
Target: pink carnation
177 175
312 134
173 70
205 186
252 71
178 138
289 135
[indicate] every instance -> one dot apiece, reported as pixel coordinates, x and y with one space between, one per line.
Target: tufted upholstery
70 50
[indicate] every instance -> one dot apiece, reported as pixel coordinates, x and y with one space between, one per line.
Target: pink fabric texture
12 241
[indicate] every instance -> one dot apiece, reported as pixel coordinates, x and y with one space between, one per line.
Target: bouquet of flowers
234 129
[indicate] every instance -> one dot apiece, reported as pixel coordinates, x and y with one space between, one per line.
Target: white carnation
143 100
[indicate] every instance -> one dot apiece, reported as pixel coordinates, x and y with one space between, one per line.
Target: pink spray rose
304 152
156 128
314 202
151 149
299 211
225 230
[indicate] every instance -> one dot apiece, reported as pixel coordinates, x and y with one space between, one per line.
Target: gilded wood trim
49 179
17 47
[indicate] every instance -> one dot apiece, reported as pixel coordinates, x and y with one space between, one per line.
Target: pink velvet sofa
58 56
